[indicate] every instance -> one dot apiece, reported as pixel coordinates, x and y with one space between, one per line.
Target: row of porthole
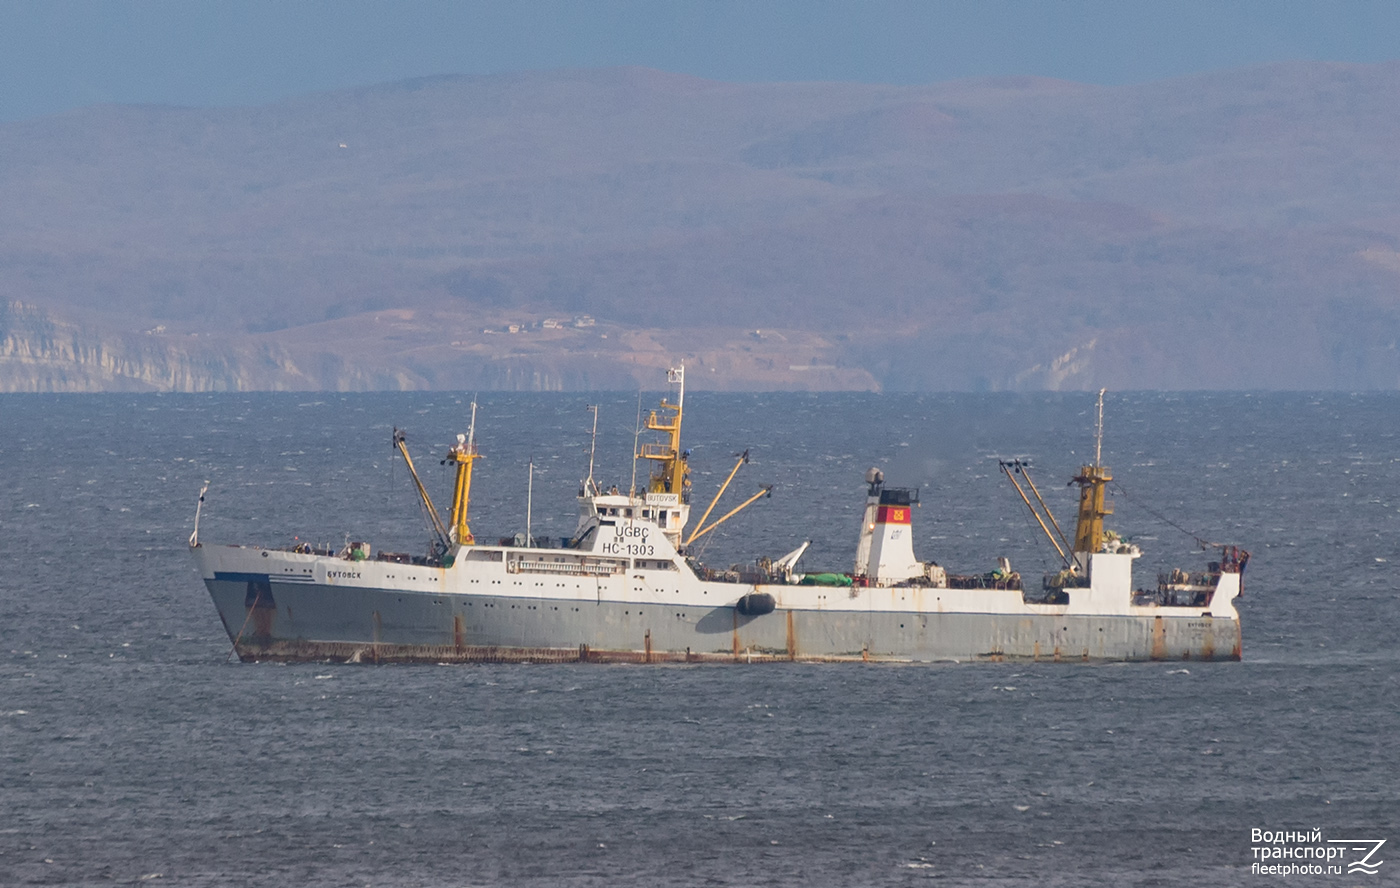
535 607
637 588
513 607
490 604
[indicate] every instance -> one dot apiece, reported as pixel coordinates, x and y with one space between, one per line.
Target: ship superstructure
623 587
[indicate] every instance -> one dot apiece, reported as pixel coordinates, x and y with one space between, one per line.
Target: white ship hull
279 605
620 589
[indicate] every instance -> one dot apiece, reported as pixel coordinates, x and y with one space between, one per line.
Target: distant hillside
1232 230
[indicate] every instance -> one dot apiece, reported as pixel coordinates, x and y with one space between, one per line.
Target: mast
636 436
1098 435
194 537
590 486
671 474
1093 508
529 499
463 454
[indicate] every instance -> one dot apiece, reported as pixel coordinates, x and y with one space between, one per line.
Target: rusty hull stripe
1159 639
384 652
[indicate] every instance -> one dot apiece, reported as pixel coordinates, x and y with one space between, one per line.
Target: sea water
134 751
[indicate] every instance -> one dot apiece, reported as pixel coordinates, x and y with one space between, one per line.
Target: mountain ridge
1224 230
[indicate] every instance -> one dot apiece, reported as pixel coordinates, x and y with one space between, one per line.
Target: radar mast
1093 508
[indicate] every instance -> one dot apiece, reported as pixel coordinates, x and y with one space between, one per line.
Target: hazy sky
60 54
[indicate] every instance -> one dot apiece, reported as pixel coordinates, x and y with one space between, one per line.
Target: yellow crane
455 532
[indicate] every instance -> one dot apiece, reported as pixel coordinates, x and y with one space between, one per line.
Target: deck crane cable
1036 537
1201 541
438 532
1020 467
393 485
423 513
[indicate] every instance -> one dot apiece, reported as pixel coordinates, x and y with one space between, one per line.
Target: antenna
592 486
636 437
471 429
676 376
1098 436
529 498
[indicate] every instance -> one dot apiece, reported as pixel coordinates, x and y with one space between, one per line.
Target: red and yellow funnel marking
892 515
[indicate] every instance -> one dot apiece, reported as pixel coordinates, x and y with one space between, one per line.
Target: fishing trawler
623 588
